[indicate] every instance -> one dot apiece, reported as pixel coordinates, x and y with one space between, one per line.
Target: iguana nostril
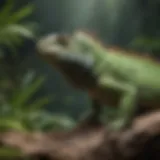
63 40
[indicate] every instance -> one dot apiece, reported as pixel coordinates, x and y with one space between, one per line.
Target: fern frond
13 35
6 12
21 14
12 31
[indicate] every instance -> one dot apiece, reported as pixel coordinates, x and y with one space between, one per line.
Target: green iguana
111 77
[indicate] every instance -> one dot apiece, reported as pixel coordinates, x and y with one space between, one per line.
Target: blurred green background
33 96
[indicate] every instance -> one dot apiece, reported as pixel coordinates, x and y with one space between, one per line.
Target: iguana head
71 54
79 47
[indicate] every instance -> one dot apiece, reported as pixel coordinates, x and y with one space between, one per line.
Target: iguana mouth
52 45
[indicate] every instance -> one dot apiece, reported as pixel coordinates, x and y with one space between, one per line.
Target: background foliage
17 84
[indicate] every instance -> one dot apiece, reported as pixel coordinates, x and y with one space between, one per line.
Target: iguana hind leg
127 106
127 110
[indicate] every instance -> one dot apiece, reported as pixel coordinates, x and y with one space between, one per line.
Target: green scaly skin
136 79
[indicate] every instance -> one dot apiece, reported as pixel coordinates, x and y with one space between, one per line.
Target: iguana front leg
127 105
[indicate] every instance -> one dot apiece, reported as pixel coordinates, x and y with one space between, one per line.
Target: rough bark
140 142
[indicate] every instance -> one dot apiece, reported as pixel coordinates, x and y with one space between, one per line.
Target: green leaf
23 95
37 104
6 12
12 32
7 16
21 14
11 123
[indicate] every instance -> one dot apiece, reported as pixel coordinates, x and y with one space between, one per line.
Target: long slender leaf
6 12
12 32
24 95
15 31
37 104
10 123
21 14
